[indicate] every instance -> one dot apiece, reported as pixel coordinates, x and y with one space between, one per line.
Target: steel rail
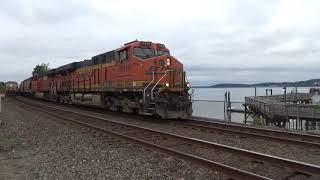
252 134
307 138
302 167
228 170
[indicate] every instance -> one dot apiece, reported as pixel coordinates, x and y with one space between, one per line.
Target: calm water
215 109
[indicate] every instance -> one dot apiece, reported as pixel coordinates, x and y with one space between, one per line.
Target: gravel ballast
280 149
35 145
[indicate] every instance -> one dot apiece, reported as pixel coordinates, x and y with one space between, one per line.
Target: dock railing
278 105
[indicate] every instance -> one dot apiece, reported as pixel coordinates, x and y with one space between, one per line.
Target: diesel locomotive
11 88
140 77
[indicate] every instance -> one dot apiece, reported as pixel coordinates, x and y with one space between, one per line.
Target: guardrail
276 106
285 98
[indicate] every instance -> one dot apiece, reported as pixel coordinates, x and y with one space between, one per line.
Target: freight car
140 77
25 87
11 88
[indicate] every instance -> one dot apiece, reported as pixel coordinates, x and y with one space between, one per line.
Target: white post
1 95
255 91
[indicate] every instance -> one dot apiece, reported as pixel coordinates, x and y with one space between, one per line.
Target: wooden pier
295 106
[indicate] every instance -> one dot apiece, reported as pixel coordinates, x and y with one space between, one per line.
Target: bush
2 87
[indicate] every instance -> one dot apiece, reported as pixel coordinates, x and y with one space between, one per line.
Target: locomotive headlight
188 85
167 84
162 62
168 62
10 85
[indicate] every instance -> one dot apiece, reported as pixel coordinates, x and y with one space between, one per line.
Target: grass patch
11 146
11 141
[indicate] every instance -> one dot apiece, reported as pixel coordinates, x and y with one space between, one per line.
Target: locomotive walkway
196 150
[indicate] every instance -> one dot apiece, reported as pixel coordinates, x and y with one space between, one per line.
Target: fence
279 105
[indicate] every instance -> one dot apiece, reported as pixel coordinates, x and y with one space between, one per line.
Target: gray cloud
30 12
218 41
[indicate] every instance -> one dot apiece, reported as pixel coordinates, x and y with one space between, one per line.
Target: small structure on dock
315 99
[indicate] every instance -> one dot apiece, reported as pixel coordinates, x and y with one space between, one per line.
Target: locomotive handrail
166 72
144 90
190 87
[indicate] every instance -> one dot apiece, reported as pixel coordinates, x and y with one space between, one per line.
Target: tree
40 69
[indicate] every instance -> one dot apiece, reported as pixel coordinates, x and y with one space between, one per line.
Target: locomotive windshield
145 53
160 52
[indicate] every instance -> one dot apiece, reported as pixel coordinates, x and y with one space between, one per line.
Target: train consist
11 88
139 77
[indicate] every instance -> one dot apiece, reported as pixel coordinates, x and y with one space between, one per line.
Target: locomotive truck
140 77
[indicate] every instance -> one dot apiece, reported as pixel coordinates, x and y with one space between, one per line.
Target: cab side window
123 54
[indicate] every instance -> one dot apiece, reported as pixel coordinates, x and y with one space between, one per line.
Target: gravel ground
231 159
290 151
34 145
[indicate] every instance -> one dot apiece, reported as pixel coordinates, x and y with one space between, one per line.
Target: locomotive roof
98 59
11 82
106 53
69 67
80 64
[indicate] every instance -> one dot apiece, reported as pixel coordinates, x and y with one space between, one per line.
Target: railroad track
285 136
235 162
201 123
309 140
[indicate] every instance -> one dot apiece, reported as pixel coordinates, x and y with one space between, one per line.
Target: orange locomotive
138 77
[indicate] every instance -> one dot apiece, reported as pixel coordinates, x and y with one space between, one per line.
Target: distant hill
308 83
230 85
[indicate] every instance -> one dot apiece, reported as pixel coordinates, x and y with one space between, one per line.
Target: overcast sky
222 41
